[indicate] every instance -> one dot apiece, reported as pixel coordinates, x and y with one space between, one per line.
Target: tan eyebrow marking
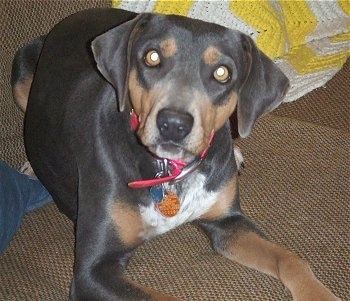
168 47
211 56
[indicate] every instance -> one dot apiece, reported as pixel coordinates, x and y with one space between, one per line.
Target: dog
127 126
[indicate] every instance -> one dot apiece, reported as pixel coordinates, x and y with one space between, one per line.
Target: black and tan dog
127 126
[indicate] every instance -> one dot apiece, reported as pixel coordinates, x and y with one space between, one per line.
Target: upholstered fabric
295 185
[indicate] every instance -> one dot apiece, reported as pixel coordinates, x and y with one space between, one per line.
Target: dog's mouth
171 151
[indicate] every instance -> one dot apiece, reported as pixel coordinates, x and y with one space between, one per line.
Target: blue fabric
19 193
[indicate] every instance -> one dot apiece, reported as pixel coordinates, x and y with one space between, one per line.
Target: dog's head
184 78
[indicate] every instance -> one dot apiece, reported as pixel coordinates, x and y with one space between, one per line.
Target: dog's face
184 78
182 84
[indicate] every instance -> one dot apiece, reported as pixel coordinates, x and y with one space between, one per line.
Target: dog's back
66 55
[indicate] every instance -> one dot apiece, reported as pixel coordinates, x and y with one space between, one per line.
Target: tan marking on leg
211 56
21 91
255 252
224 201
168 47
128 222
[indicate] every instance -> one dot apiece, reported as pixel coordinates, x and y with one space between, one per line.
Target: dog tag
170 205
157 192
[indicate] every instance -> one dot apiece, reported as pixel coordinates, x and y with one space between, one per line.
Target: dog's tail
23 69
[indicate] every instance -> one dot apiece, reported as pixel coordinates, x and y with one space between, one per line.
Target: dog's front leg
104 280
106 234
237 238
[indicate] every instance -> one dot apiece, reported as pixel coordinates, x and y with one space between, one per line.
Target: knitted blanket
309 40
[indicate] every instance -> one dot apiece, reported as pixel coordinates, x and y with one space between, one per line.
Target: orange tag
170 205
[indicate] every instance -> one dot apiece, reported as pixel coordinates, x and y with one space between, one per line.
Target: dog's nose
174 125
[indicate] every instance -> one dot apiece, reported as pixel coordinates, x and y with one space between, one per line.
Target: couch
295 184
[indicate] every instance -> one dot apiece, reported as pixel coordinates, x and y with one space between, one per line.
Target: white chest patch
194 199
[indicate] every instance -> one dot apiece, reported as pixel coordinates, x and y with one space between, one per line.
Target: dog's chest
194 202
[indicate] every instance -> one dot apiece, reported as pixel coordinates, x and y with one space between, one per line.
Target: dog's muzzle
178 170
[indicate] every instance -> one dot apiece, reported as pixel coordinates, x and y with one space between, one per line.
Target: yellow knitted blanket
309 40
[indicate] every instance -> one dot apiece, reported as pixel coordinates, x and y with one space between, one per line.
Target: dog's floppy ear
111 51
263 89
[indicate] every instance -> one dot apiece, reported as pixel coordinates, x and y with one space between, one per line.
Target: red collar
134 120
177 170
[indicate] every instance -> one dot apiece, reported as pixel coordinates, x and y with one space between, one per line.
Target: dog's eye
222 74
152 58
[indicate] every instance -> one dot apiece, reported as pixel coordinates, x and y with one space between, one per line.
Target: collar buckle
186 171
